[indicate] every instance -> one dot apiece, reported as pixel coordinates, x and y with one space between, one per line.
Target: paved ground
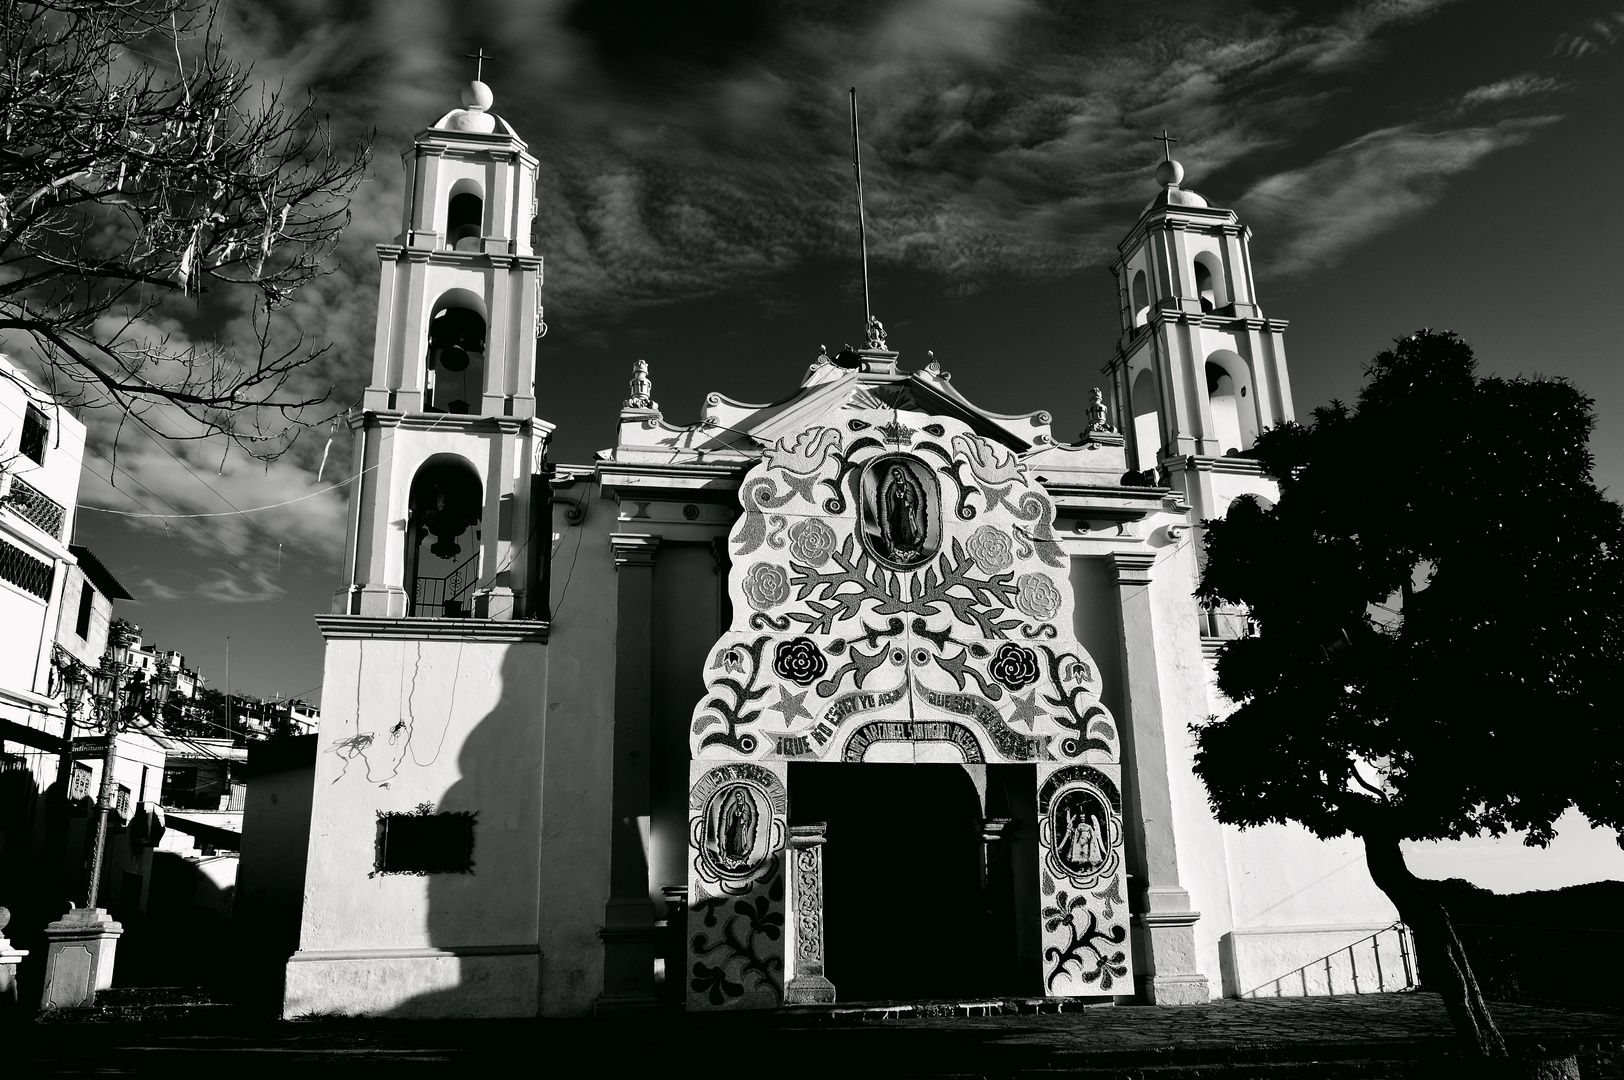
1377 1036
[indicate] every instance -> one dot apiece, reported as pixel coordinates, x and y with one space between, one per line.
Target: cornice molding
1168 918
634 549
416 628
1132 567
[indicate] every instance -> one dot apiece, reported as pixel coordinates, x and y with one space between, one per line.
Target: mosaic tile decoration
737 826
1080 856
899 595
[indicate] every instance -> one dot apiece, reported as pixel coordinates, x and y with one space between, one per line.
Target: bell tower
449 450
1198 371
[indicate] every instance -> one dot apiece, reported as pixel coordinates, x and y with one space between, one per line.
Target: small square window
424 842
36 433
123 801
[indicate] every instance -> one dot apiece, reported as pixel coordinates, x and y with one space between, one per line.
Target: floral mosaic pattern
899 593
1080 852
736 849
899 568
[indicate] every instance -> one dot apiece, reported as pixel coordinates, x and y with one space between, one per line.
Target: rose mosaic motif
991 549
800 661
1037 596
1014 665
765 586
811 542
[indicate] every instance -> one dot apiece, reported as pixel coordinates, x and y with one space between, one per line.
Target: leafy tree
128 181
1440 597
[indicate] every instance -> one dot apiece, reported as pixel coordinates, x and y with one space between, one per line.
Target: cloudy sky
1402 163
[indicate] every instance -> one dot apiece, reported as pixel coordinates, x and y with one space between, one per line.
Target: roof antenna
862 225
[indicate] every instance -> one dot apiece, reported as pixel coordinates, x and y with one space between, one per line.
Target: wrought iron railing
25 571
447 597
1382 963
1228 623
36 507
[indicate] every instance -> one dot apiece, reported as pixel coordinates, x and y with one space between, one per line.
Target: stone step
153 995
199 1013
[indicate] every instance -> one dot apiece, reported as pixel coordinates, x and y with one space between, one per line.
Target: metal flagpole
862 224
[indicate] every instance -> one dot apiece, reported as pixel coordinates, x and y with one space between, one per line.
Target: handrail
1406 948
452 588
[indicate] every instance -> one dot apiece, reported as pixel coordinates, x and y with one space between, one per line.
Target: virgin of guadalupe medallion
901 511
736 827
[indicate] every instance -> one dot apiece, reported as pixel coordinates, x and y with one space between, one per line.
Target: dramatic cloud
1366 187
688 151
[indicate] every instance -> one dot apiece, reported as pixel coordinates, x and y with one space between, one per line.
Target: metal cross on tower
479 57
1167 142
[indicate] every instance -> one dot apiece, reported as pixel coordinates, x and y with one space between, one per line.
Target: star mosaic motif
791 705
1026 709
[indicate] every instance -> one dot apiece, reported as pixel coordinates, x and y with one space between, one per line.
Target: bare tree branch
125 186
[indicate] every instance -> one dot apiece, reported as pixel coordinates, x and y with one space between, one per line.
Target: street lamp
118 694
74 685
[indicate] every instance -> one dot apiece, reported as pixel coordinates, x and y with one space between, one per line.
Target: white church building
862 694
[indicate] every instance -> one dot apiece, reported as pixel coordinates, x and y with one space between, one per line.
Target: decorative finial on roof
475 114
1099 414
642 390
1169 173
876 333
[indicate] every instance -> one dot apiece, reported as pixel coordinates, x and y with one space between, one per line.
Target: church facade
866 693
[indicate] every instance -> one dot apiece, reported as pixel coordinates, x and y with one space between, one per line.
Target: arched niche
1147 425
1233 402
456 354
1209 281
465 216
444 510
1140 298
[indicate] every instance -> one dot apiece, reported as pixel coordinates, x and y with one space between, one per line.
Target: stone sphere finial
476 95
5 920
1169 173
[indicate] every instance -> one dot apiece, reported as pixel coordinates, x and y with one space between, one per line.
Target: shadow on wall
185 937
486 918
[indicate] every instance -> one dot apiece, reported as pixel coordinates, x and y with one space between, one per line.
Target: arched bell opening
446 504
1209 281
456 360
1141 299
1232 401
1147 424
465 217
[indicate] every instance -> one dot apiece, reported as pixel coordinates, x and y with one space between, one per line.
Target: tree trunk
1425 915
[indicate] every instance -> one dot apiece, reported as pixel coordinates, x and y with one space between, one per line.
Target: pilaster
807 984
1163 924
629 935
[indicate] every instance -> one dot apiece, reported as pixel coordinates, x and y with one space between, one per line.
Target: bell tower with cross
1199 371
430 753
449 446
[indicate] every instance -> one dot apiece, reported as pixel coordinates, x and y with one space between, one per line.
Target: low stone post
79 957
9 959
807 984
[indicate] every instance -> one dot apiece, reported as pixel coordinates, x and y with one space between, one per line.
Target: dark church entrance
918 904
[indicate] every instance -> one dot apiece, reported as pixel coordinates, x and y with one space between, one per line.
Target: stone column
79 957
1163 924
629 935
807 984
